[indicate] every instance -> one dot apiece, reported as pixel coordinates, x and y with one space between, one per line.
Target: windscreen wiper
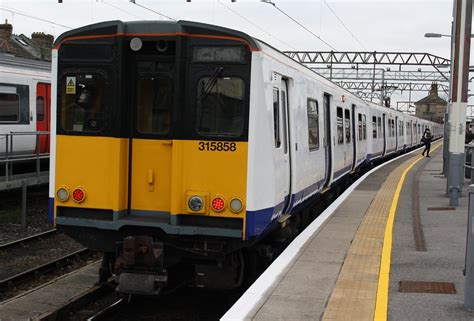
211 82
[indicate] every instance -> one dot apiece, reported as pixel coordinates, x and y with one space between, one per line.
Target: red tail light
78 195
218 204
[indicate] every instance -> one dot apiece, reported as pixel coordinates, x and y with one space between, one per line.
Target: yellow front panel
198 169
151 175
97 164
164 174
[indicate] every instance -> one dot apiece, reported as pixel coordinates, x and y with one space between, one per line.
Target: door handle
151 180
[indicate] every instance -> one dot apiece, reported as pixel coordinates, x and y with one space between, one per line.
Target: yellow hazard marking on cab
381 301
70 85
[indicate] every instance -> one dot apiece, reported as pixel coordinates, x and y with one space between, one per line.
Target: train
25 100
180 146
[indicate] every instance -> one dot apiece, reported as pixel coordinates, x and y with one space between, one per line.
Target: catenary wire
120 9
154 11
302 26
33 17
255 25
344 25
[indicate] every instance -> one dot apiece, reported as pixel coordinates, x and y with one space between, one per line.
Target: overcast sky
382 25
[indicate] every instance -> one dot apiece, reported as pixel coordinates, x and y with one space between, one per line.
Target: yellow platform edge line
381 302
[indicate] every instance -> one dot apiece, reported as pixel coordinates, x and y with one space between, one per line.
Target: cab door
151 144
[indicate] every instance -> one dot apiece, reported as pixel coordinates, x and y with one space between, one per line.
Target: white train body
283 169
23 84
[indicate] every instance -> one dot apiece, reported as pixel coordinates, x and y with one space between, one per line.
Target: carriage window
379 126
313 124
276 117
364 126
347 120
39 108
392 128
220 104
82 102
374 127
9 107
284 123
340 128
359 122
155 102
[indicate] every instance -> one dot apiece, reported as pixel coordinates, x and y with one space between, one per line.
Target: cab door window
155 102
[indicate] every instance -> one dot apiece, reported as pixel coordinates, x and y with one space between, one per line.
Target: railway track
32 260
53 265
108 311
26 240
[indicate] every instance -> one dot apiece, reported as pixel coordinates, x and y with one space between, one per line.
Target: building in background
38 47
432 107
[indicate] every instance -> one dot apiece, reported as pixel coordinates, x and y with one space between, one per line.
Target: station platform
389 248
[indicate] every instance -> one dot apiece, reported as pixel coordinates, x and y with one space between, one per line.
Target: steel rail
8 245
19 278
107 311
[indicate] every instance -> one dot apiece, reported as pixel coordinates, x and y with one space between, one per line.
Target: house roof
432 100
37 47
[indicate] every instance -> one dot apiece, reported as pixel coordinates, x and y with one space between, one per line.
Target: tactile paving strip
354 295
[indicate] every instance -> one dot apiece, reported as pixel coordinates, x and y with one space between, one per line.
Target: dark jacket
427 137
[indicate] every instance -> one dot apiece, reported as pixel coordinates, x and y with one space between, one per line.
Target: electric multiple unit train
184 144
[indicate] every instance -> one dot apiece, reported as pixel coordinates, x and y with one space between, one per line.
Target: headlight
236 205
195 203
62 194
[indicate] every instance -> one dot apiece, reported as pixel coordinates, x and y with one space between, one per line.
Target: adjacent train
180 145
25 95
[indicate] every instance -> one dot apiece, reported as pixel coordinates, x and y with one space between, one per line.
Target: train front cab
151 145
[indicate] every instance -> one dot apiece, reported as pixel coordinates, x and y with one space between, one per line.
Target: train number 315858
217 146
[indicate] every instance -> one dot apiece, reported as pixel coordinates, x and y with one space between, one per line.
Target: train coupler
139 266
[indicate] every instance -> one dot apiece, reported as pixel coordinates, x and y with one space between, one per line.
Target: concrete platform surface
337 275
50 296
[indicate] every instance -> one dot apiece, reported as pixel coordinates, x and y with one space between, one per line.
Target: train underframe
145 261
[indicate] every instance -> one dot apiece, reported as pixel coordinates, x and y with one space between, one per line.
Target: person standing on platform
426 139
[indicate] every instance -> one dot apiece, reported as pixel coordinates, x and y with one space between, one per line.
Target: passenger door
354 136
43 103
282 142
384 133
151 144
327 139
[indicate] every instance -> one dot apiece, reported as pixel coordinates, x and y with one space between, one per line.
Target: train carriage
24 105
185 142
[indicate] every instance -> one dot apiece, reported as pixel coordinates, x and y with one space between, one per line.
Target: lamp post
461 45
446 115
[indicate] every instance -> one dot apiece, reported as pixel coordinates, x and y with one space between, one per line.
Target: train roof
144 28
24 63
184 28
